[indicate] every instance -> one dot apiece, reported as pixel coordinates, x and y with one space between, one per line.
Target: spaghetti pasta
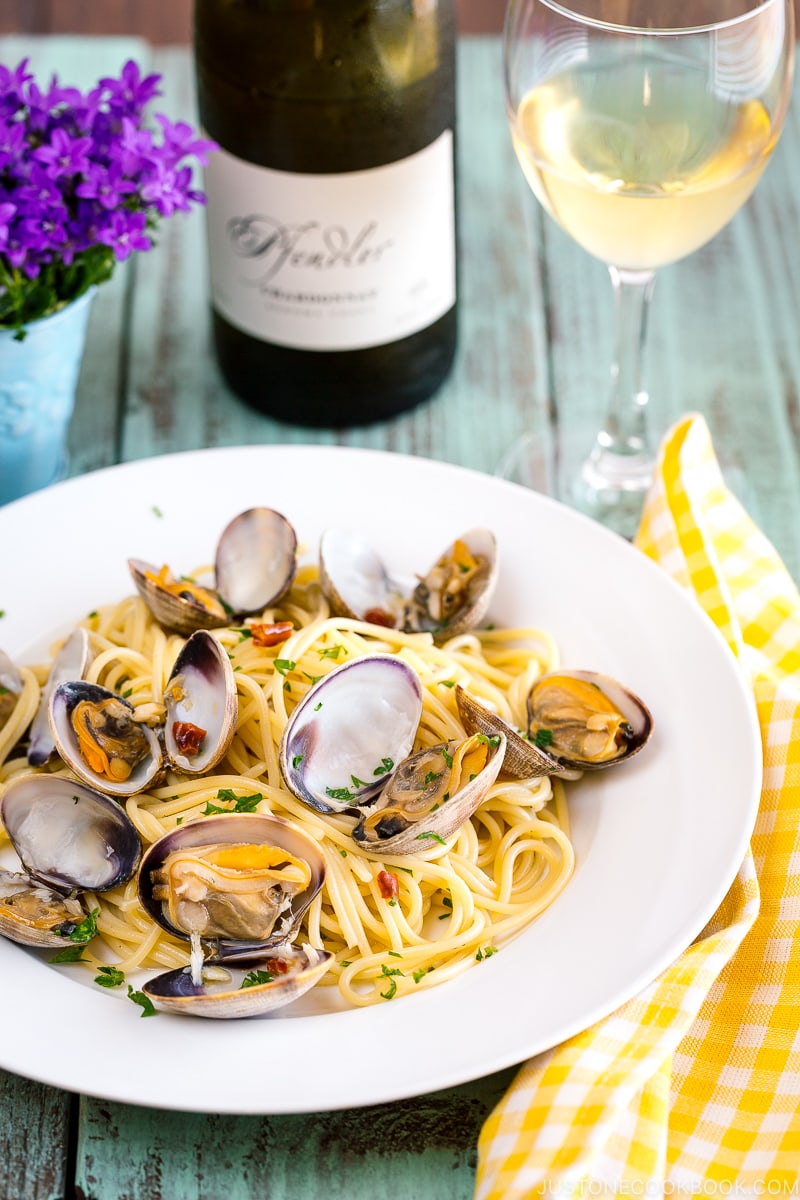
395 924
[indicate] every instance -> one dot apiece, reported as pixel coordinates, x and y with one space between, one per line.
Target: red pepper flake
389 884
278 966
271 635
379 616
188 737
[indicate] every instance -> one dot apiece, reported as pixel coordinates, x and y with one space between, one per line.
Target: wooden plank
34 1136
423 1147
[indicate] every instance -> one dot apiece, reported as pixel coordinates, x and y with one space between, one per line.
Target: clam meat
236 888
97 735
585 721
431 795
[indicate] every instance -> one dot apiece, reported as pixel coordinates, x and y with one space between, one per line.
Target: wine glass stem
625 432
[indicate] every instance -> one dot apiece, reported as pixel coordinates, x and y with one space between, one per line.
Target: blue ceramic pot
38 378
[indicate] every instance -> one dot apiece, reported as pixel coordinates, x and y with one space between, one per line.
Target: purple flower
130 93
106 185
64 155
124 233
83 180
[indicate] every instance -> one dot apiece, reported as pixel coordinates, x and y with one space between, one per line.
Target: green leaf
69 954
387 764
144 1002
86 929
429 834
110 977
543 739
282 665
255 979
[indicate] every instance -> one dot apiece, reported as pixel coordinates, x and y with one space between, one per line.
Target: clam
70 663
523 758
452 597
11 685
350 731
585 721
201 705
273 981
255 564
431 795
236 887
69 839
98 737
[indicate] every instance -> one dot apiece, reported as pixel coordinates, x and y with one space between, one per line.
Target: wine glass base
606 486
611 488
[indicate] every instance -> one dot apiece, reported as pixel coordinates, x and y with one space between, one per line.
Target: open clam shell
34 915
177 604
255 563
452 597
237 887
356 582
455 594
431 795
240 899
95 733
273 981
201 705
256 560
586 721
523 759
70 663
350 731
68 836
11 685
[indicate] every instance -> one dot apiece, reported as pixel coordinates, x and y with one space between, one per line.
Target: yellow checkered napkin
692 1087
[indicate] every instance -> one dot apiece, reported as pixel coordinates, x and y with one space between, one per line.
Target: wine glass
641 134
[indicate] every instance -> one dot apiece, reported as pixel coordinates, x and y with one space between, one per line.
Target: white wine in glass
641 136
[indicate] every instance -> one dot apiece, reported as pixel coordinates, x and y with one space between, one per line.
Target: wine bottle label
333 262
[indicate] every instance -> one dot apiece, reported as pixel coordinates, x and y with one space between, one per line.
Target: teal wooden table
535 341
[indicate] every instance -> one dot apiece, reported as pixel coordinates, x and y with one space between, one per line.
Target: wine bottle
330 202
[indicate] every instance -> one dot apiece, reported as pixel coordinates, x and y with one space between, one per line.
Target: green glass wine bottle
331 201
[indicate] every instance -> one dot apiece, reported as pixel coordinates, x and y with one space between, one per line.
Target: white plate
658 841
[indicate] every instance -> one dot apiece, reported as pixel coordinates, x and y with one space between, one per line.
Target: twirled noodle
455 903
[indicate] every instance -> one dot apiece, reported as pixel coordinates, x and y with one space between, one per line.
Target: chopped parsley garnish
68 954
486 952
331 652
156 511
255 979
343 853
282 665
144 1002
85 930
431 777
241 804
356 782
387 764
317 707
447 682
127 693
341 793
297 759
389 972
543 739
312 678
429 834
244 633
421 973
110 977
447 756
494 740
394 954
